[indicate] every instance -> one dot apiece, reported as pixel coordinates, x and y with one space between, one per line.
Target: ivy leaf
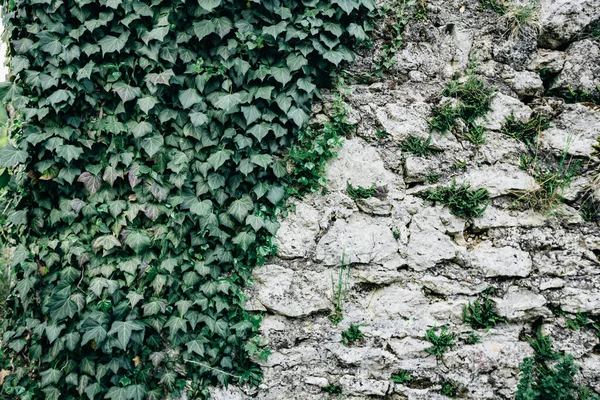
281 75
204 28
136 392
106 242
111 44
147 103
209 5
50 376
97 333
240 208
69 152
92 390
86 71
189 97
255 222
275 30
195 346
201 208
140 129
299 116
347 5
262 160
259 131
91 182
219 158
244 239
11 156
198 118
227 101
296 61
62 308
357 31
117 393
251 113
126 92
153 144
123 329
137 241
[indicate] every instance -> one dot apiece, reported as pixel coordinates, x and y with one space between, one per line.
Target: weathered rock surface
574 131
581 70
501 261
562 20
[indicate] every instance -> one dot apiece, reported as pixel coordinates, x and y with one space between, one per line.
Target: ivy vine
148 164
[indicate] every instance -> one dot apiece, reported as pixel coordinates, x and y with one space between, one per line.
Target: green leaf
140 129
240 208
123 329
153 144
147 103
209 5
86 71
255 222
96 333
106 242
117 393
281 75
11 157
63 308
204 28
227 101
189 97
49 377
137 241
262 160
244 239
251 113
69 152
198 119
275 30
195 346
92 390
347 5
176 324
296 61
201 208
126 92
136 392
299 117
219 158
111 44
259 131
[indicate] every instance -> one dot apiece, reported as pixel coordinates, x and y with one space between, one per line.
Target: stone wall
414 265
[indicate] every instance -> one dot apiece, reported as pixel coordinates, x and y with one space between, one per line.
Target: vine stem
212 368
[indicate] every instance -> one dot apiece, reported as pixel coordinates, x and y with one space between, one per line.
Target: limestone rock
428 248
578 300
526 84
298 231
494 217
362 386
360 239
448 287
374 206
494 352
520 304
361 165
403 120
418 168
574 131
549 60
562 20
581 70
503 106
499 180
501 261
292 293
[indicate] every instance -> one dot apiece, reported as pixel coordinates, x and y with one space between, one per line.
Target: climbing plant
147 168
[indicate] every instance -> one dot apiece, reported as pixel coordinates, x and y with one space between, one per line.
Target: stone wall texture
413 265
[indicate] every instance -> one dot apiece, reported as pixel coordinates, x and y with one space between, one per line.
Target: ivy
147 172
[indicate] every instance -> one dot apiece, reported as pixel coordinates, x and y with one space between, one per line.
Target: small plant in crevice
396 17
333 390
418 146
359 192
432 178
495 5
590 210
381 134
352 335
473 338
526 132
452 388
401 377
553 179
481 314
339 293
440 343
521 21
578 322
459 165
570 95
461 200
420 12
542 346
474 134
471 100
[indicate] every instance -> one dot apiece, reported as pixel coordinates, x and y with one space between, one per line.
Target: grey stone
574 132
562 20
292 293
521 304
499 180
501 261
503 106
360 239
298 231
526 84
581 70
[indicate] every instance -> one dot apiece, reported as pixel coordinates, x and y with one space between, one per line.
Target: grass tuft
481 314
461 200
360 192
352 335
526 132
418 146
